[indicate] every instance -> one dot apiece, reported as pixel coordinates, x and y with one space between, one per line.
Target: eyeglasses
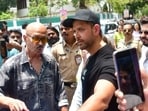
127 30
37 39
145 32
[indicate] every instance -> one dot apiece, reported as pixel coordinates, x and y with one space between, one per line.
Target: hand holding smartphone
3 48
128 76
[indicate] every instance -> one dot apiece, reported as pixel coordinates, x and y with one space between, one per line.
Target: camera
3 40
3 48
2 34
1 25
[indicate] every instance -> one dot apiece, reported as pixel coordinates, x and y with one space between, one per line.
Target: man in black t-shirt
98 79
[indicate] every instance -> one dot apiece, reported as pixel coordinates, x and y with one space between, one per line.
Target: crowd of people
144 69
43 72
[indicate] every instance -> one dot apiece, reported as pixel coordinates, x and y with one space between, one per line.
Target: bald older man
30 81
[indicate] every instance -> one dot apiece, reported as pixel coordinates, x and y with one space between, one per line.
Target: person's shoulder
137 42
15 57
59 43
13 52
57 46
48 57
116 33
109 47
12 61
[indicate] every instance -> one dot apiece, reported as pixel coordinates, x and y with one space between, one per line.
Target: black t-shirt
99 66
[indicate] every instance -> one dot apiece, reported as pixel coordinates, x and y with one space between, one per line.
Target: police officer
68 56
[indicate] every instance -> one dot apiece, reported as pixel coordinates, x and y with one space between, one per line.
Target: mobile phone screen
128 76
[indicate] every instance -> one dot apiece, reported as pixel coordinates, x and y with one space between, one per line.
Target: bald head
36 27
35 38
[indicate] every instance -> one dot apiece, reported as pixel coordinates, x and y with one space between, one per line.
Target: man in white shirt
144 39
144 58
52 38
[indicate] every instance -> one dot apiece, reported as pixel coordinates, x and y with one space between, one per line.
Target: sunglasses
37 39
145 32
127 30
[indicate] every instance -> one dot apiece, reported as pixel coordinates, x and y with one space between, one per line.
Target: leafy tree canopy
38 8
133 5
6 4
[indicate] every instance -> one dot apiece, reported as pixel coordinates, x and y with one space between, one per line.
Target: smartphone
128 76
3 48
1 25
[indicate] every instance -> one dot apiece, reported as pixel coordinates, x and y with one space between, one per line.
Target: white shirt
136 35
77 97
47 50
144 58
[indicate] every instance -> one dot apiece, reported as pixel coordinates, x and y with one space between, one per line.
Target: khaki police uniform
68 59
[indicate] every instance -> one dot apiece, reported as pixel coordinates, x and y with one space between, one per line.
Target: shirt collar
65 44
24 57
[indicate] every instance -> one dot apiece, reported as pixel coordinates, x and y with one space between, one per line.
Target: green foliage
5 4
136 4
105 9
84 3
4 7
118 5
145 10
137 7
38 8
6 15
90 2
75 3
60 3
142 11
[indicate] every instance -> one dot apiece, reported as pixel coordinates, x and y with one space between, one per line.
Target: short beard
145 44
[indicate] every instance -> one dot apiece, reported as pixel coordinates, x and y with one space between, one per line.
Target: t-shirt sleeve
108 73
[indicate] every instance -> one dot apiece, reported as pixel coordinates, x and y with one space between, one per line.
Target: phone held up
3 48
128 76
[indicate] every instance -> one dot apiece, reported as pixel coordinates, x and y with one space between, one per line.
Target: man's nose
15 38
142 35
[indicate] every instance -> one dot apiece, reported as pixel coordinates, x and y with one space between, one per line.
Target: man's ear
97 29
24 37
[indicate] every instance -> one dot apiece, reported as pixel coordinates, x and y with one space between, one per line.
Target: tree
84 3
137 5
4 9
118 5
6 15
38 8
105 8
142 12
133 5
60 3
6 4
